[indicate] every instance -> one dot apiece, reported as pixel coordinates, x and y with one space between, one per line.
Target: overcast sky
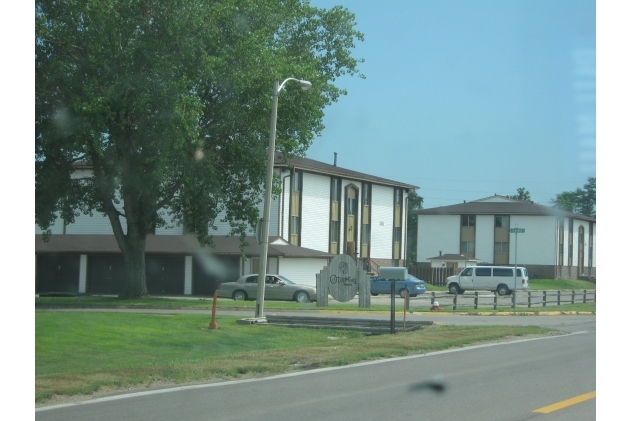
469 98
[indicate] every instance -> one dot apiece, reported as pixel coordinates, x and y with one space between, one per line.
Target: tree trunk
136 285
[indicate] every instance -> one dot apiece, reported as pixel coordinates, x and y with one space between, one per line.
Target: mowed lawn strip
81 353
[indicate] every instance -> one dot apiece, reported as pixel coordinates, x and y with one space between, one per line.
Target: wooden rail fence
523 299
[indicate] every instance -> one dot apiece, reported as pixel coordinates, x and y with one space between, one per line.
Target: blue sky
469 98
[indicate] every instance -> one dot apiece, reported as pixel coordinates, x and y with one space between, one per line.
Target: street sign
517 230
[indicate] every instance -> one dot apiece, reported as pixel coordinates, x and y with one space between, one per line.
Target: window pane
482 271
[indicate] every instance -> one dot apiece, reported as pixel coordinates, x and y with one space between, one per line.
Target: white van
489 278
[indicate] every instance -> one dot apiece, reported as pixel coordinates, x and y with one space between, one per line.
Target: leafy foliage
522 194
415 202
168 104
580 201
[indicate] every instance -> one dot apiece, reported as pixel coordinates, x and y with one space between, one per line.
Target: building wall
303 270
594 247
484 238
95 224
537 246
437 233
315 212
381 222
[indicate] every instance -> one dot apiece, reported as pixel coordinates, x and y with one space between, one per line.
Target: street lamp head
304 84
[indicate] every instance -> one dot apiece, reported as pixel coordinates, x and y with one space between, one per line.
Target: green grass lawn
83 352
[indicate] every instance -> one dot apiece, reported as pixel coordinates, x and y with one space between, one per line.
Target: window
467 272
501 247
467 247
397 234
252 279
295 224
365 234
335 190
501 222
351 205
468 220
502 272
398 197
295 182
335 231
482 271
366 194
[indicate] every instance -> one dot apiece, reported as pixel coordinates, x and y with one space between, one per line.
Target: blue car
412 284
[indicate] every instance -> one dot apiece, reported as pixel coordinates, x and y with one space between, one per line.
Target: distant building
554 244
322 210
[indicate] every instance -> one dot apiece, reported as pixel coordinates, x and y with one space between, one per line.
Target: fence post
545 297
594 295
558 297
475 301
529 298
573 296
456 301
584 296
494 300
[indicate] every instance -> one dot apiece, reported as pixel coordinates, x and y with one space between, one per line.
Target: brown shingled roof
515 207
169 244
311 165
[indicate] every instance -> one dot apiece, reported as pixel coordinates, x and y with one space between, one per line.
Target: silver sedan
277 287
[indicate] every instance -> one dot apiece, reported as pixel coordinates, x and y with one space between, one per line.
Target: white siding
171 228
537 246
484 238
95 224
83 271
188 275
593 247
437 233
315 212
284 206
381 222
302 270
56 228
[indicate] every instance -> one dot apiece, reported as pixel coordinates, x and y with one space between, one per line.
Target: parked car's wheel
402 292
301 297
454 289
374 294
502 290
239 295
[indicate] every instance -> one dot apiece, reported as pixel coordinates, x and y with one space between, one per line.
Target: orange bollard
212 324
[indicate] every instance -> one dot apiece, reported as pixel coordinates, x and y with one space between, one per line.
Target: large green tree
168 102
415 202
581 201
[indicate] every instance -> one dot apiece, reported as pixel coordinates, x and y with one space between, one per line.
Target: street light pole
264 239
515 270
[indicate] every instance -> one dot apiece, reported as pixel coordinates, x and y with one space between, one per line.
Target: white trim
188 275
83 271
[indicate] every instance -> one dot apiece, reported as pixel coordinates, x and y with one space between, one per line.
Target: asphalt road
501 381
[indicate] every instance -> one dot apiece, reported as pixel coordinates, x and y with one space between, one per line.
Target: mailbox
398 273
